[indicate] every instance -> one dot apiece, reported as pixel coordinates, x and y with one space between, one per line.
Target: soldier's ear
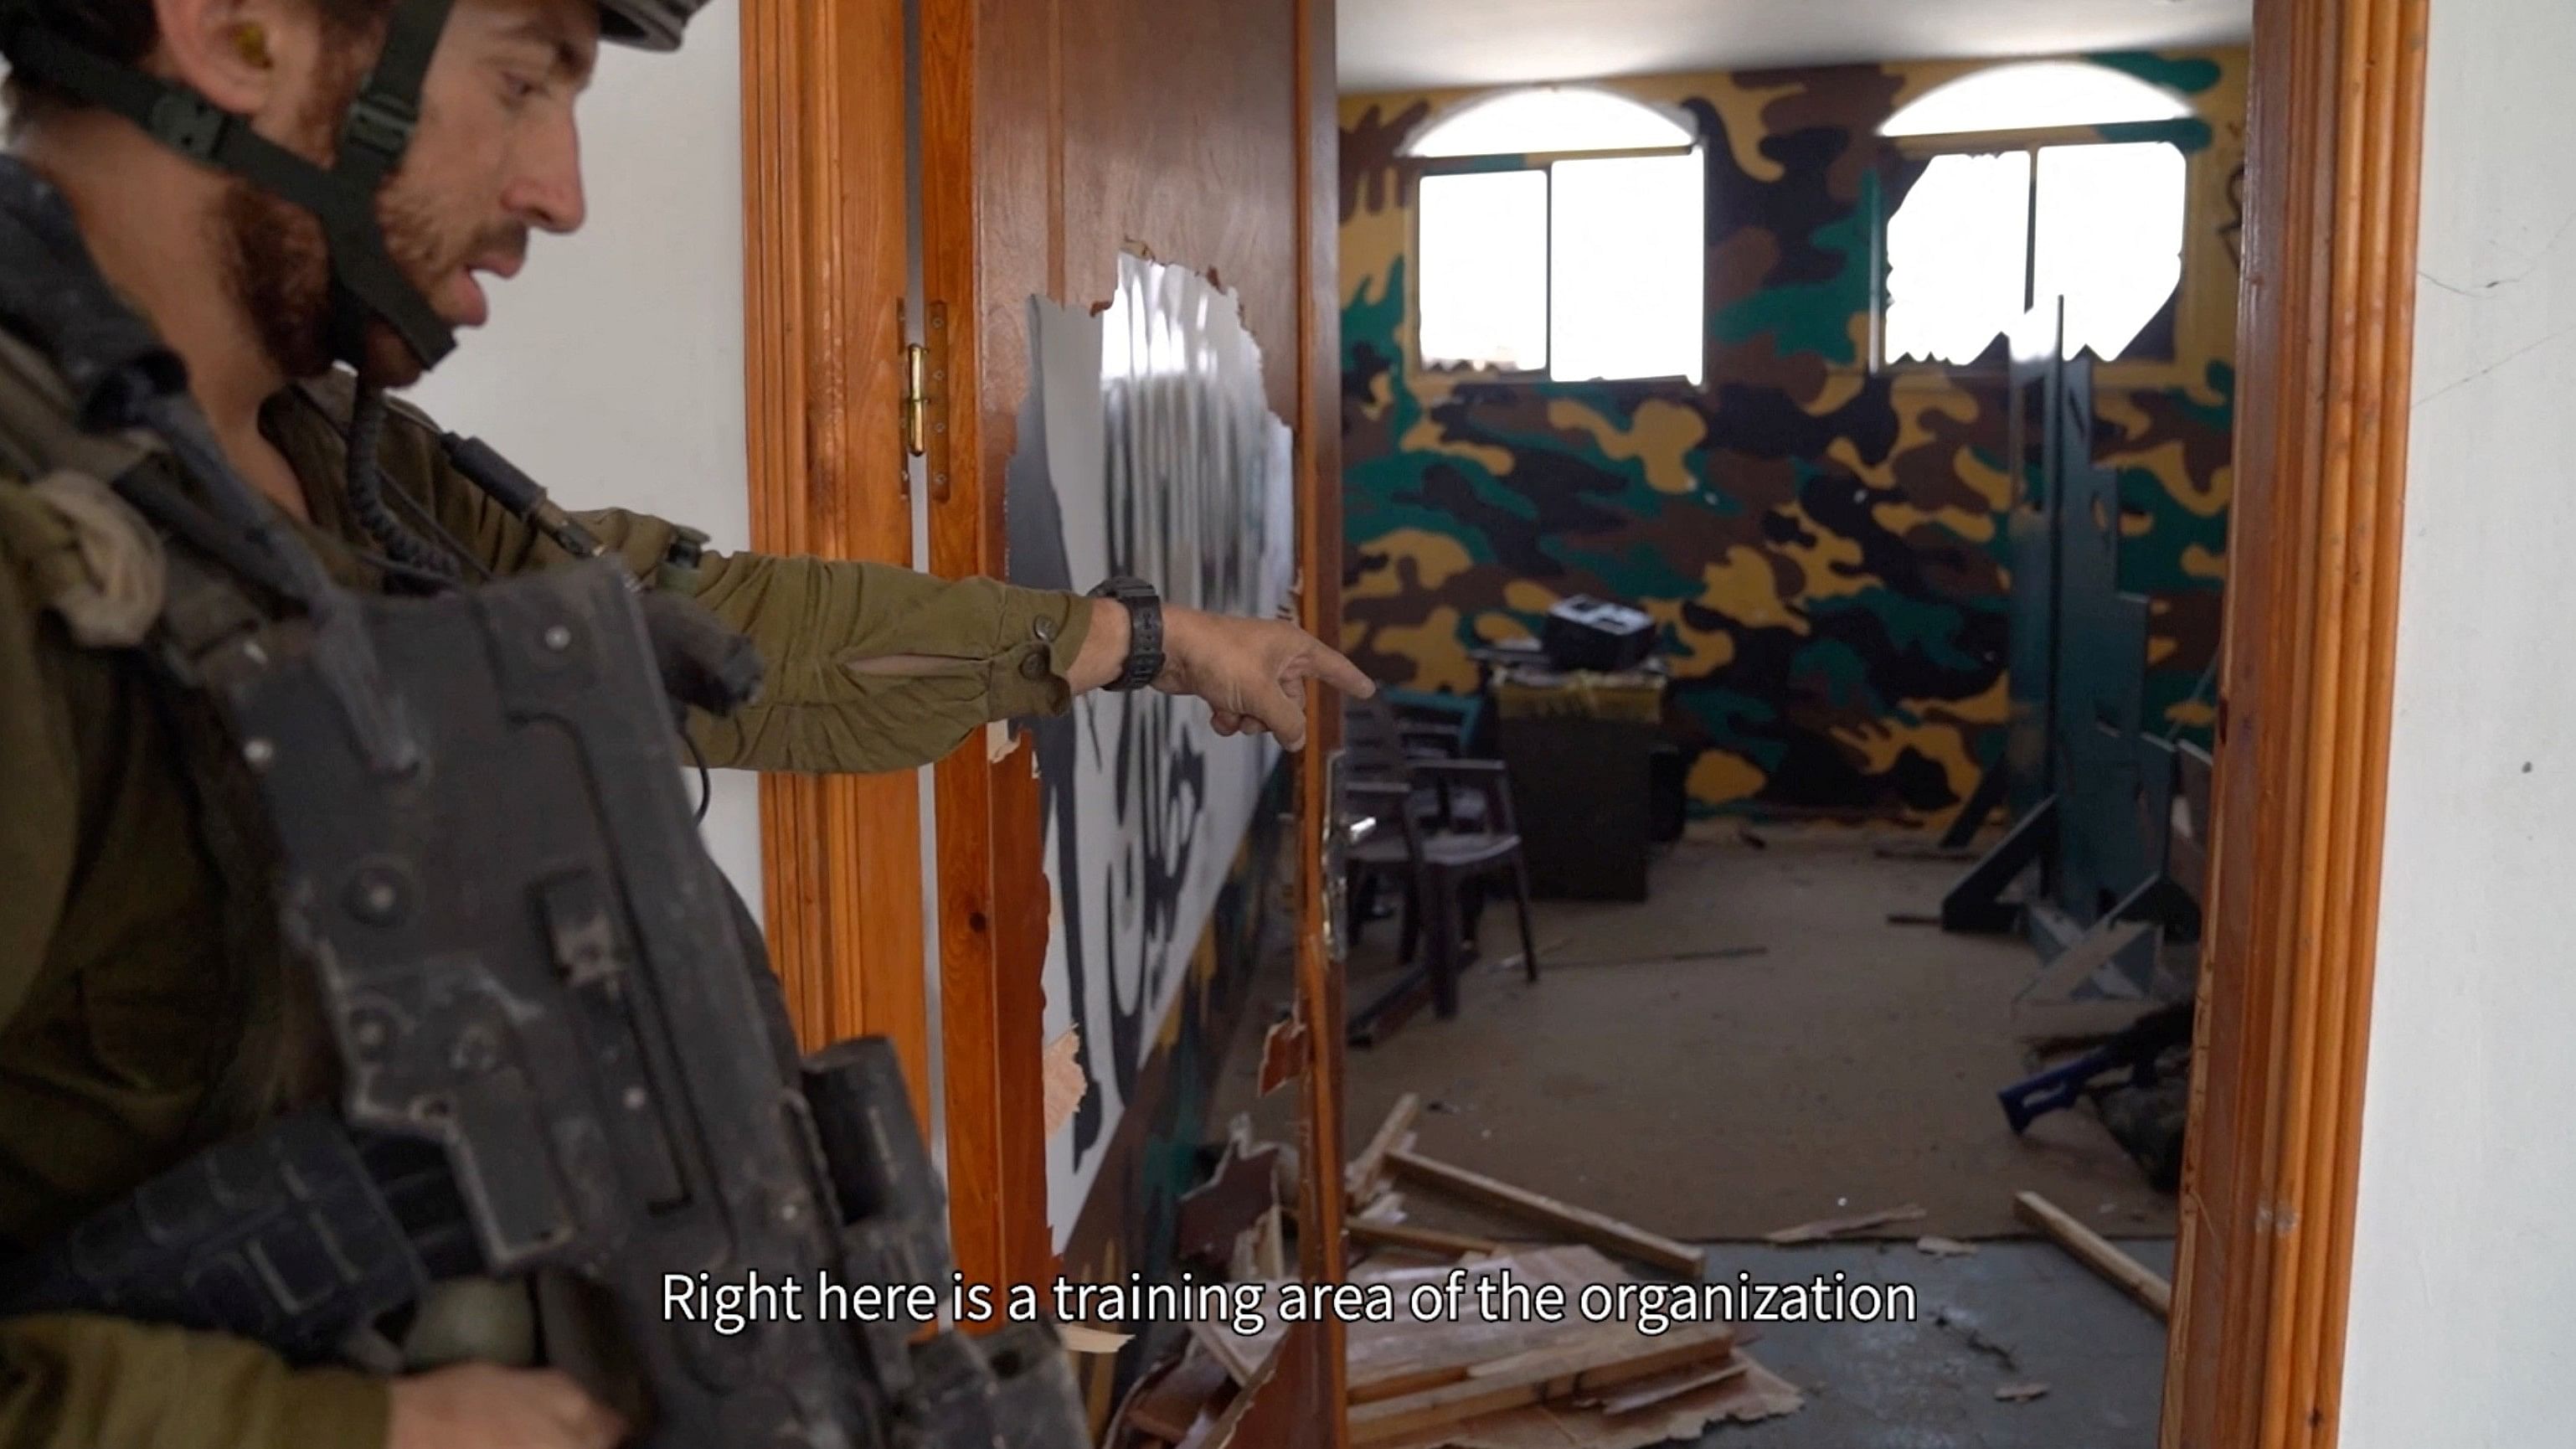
251 57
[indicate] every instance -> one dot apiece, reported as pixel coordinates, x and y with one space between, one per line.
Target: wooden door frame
2325 353
824 272
825 269
979 157
992 146
1318 1395
2333 139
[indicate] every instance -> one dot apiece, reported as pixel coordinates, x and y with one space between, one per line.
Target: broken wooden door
1126 163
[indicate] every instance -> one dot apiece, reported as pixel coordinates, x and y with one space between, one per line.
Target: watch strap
1144 630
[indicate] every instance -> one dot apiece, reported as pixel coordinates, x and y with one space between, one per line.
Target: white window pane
2110 238
1956 257
1630 263
2033 95
1550 118
1484 270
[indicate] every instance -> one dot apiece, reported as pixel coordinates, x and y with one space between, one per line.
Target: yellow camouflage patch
1436 558
1721 778
1439 660
1662 435
1744 585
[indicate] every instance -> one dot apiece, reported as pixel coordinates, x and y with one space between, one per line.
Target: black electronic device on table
1597 634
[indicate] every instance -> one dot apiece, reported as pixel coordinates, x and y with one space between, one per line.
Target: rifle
560 1045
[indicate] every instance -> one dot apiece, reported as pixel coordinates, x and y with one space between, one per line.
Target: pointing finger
1329 665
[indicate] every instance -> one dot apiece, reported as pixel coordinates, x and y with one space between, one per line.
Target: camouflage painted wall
1820 540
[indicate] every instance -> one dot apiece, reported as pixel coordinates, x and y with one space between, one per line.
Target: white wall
612 368
2464 1261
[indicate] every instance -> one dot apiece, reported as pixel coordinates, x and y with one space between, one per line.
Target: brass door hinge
925 397
916 399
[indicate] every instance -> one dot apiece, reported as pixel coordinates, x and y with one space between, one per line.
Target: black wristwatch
1144 630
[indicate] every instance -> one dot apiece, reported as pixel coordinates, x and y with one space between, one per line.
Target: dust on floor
2013 1314
1849 1066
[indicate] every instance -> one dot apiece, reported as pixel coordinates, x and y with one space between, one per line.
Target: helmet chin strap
366 282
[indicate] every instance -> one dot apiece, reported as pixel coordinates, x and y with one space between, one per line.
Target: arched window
2035 95
1549 118
1990 230
1562 234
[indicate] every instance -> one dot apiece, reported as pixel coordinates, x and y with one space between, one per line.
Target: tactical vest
545 1043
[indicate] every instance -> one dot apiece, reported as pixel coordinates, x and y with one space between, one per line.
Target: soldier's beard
281 275
279 264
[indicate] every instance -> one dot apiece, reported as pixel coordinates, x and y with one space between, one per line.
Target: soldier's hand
1252 672
481 1406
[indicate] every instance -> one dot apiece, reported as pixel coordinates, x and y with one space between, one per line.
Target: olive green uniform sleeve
74 1381
871 667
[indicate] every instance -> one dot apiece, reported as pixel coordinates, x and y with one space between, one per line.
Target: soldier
297 197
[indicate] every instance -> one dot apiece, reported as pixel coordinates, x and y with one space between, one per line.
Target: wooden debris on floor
1512 1382
1747 1398
1817 1232
1240 1354
1367 1175
1583 1363
2096 1252
1647 1392
1177 1401
1940 1247
1386 1207
2020 1393
1580 1223
1380 1234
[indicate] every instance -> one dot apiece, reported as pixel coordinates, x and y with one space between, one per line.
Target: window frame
2184 133
1411 171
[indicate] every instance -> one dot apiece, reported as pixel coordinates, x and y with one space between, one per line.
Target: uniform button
1034 668
1043 628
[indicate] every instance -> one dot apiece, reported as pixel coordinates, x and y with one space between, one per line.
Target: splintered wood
1512 1381
1061 1080
1216 1214
1424 1240
1367 1175
2091 1249
1283 1054
1556 1373
1575 1222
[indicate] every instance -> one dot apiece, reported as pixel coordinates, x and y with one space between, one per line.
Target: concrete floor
1847 1065
2017 1312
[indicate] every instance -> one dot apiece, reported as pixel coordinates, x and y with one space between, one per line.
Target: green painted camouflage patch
1820 542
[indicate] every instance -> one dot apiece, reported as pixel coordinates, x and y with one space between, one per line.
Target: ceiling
1414 44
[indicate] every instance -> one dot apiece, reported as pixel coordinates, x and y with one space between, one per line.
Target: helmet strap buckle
382 125
189 123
